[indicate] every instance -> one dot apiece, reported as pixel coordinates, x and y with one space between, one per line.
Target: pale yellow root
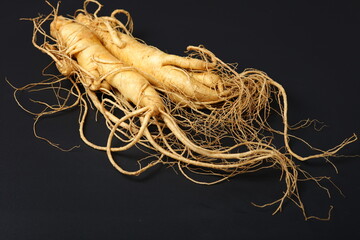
169 72
149 85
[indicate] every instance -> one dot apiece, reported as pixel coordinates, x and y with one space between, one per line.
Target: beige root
189 76
183 108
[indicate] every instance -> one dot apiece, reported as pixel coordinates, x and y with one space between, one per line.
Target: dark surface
310 47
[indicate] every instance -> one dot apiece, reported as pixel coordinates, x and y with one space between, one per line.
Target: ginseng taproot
186 109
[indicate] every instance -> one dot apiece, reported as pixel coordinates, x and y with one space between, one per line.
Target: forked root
190 129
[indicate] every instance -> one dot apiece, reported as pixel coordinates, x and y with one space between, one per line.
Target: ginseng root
183 108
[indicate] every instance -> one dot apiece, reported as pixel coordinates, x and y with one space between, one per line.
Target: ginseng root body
189 76
185 109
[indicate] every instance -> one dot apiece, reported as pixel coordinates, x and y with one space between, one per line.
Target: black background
310 47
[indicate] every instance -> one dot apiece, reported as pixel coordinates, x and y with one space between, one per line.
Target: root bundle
195 113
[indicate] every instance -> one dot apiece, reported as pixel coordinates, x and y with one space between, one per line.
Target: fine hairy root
195 113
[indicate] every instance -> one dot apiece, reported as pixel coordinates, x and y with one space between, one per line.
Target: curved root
224 137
